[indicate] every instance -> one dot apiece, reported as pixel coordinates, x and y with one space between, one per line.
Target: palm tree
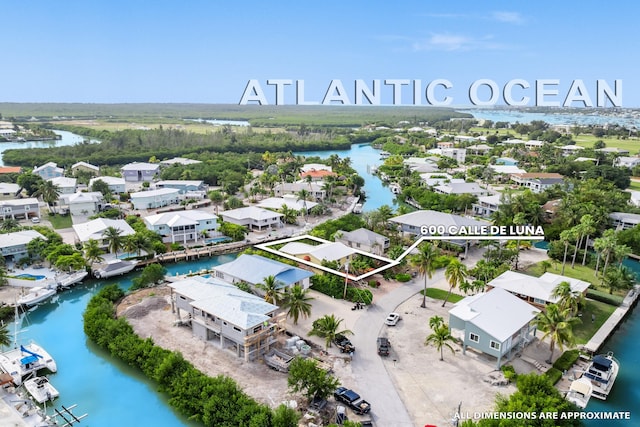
303 195
216 197
327 327
565 237
49 192
588 227
424 262
5 338
568 299
114 239
619 277
440 338
606 246
456 274
92 251
518 219
296 302
289 215
435 322
558 325
9 224
272 289
137 243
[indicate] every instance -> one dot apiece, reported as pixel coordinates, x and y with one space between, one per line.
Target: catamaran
602 372
26 360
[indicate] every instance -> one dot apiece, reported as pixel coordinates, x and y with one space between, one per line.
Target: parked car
35 220
393 319
383 346
344 344
352 400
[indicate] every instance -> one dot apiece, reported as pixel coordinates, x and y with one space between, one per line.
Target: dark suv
383 346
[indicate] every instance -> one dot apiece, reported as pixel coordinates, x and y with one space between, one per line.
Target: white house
8 190
116 184
94 229
65 184
315 189
253 269
487 205
624 220
568 150
85 167
154 199
363 239
13 246
179 161
19 208
48 170
253 217
537 182
461 188
83 203
626 162
289 200
182 226
140 171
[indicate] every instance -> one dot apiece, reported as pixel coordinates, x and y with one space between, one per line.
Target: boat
26 360
41 389
36 295
16 410
114 267
580 392
602 373
70 279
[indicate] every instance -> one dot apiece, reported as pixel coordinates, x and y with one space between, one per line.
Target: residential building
116 184
48 170
457 154
314 189
495 323
13 246
182 226
422 164
438 178
480 149
179 161
330 251
308 167
95 229
85 167
461 188
154 199
568 150
364 240
506 169
635 198
8 190
613 150
626 162
291 201
253 217
623 220
222 315
487 205
537 291
140 171
10 169
20 208
317 175
254 269
65 185
82 204
184 186
537 182
464 138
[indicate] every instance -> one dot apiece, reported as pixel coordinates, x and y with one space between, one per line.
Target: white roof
180 161
19 202
138 166
46 165
109 180
496 312
225 301
315 167
362 235
86 165
63 181
252 212
494 199
19 238
173 219
154 193
507 169
428 217
460 188
94 229
91 197
290 202
536 287
572 147
331 251
179 182
9 187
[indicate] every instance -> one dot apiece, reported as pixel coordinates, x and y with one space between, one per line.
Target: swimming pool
26 276
221 239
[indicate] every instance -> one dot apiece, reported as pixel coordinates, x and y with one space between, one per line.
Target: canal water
68 138
113 394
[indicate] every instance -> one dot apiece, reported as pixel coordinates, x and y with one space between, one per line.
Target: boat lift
67 416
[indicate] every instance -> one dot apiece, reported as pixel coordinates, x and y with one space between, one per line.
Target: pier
605 331
190 254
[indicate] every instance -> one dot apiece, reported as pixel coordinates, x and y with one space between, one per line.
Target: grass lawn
585 330
587 141
441 294
60 221
635 185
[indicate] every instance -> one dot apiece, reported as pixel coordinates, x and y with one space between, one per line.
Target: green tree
5 338
440 337
289 215
151 274
306 377
92 251
102 187
519 219
619 277
568 299
9 225
296 302
456 274
327 327
71 262
137 243
216 197
557 325
114 239
566 237
30 182
49 192
424 262
284 416
272 289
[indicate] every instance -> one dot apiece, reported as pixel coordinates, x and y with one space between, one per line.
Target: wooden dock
191 254
605 331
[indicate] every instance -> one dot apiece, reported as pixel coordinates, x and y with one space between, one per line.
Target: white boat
580 392
70 279
114 268
602 373
26 360
16 410
41 389
36 295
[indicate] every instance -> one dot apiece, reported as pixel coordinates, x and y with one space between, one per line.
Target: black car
344 344
383 346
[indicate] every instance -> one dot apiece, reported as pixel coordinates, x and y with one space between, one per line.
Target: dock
191 254
605 331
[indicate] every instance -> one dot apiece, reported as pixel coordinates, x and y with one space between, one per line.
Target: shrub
403 277
566 361
509 372
554 375
604 297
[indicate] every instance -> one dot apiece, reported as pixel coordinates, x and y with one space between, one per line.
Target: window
539 301
494 345
237 329
473 337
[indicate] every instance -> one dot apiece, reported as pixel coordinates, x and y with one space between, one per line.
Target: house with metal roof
116 184
94 229
253 217
19 208
65 184
13 246
182 226
496 323
363 239
624 220
537 291
154 199
8 190
253 269
222 315
329 251
140 171
83 203
289 200
48 170
85 167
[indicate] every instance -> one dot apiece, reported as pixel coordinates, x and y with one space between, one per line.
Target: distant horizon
202 52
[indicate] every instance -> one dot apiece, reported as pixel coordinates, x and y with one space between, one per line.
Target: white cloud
508 17
454 42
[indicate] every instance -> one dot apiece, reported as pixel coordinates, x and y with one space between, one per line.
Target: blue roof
254 268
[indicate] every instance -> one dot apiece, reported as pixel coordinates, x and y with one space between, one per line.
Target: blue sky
206 51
